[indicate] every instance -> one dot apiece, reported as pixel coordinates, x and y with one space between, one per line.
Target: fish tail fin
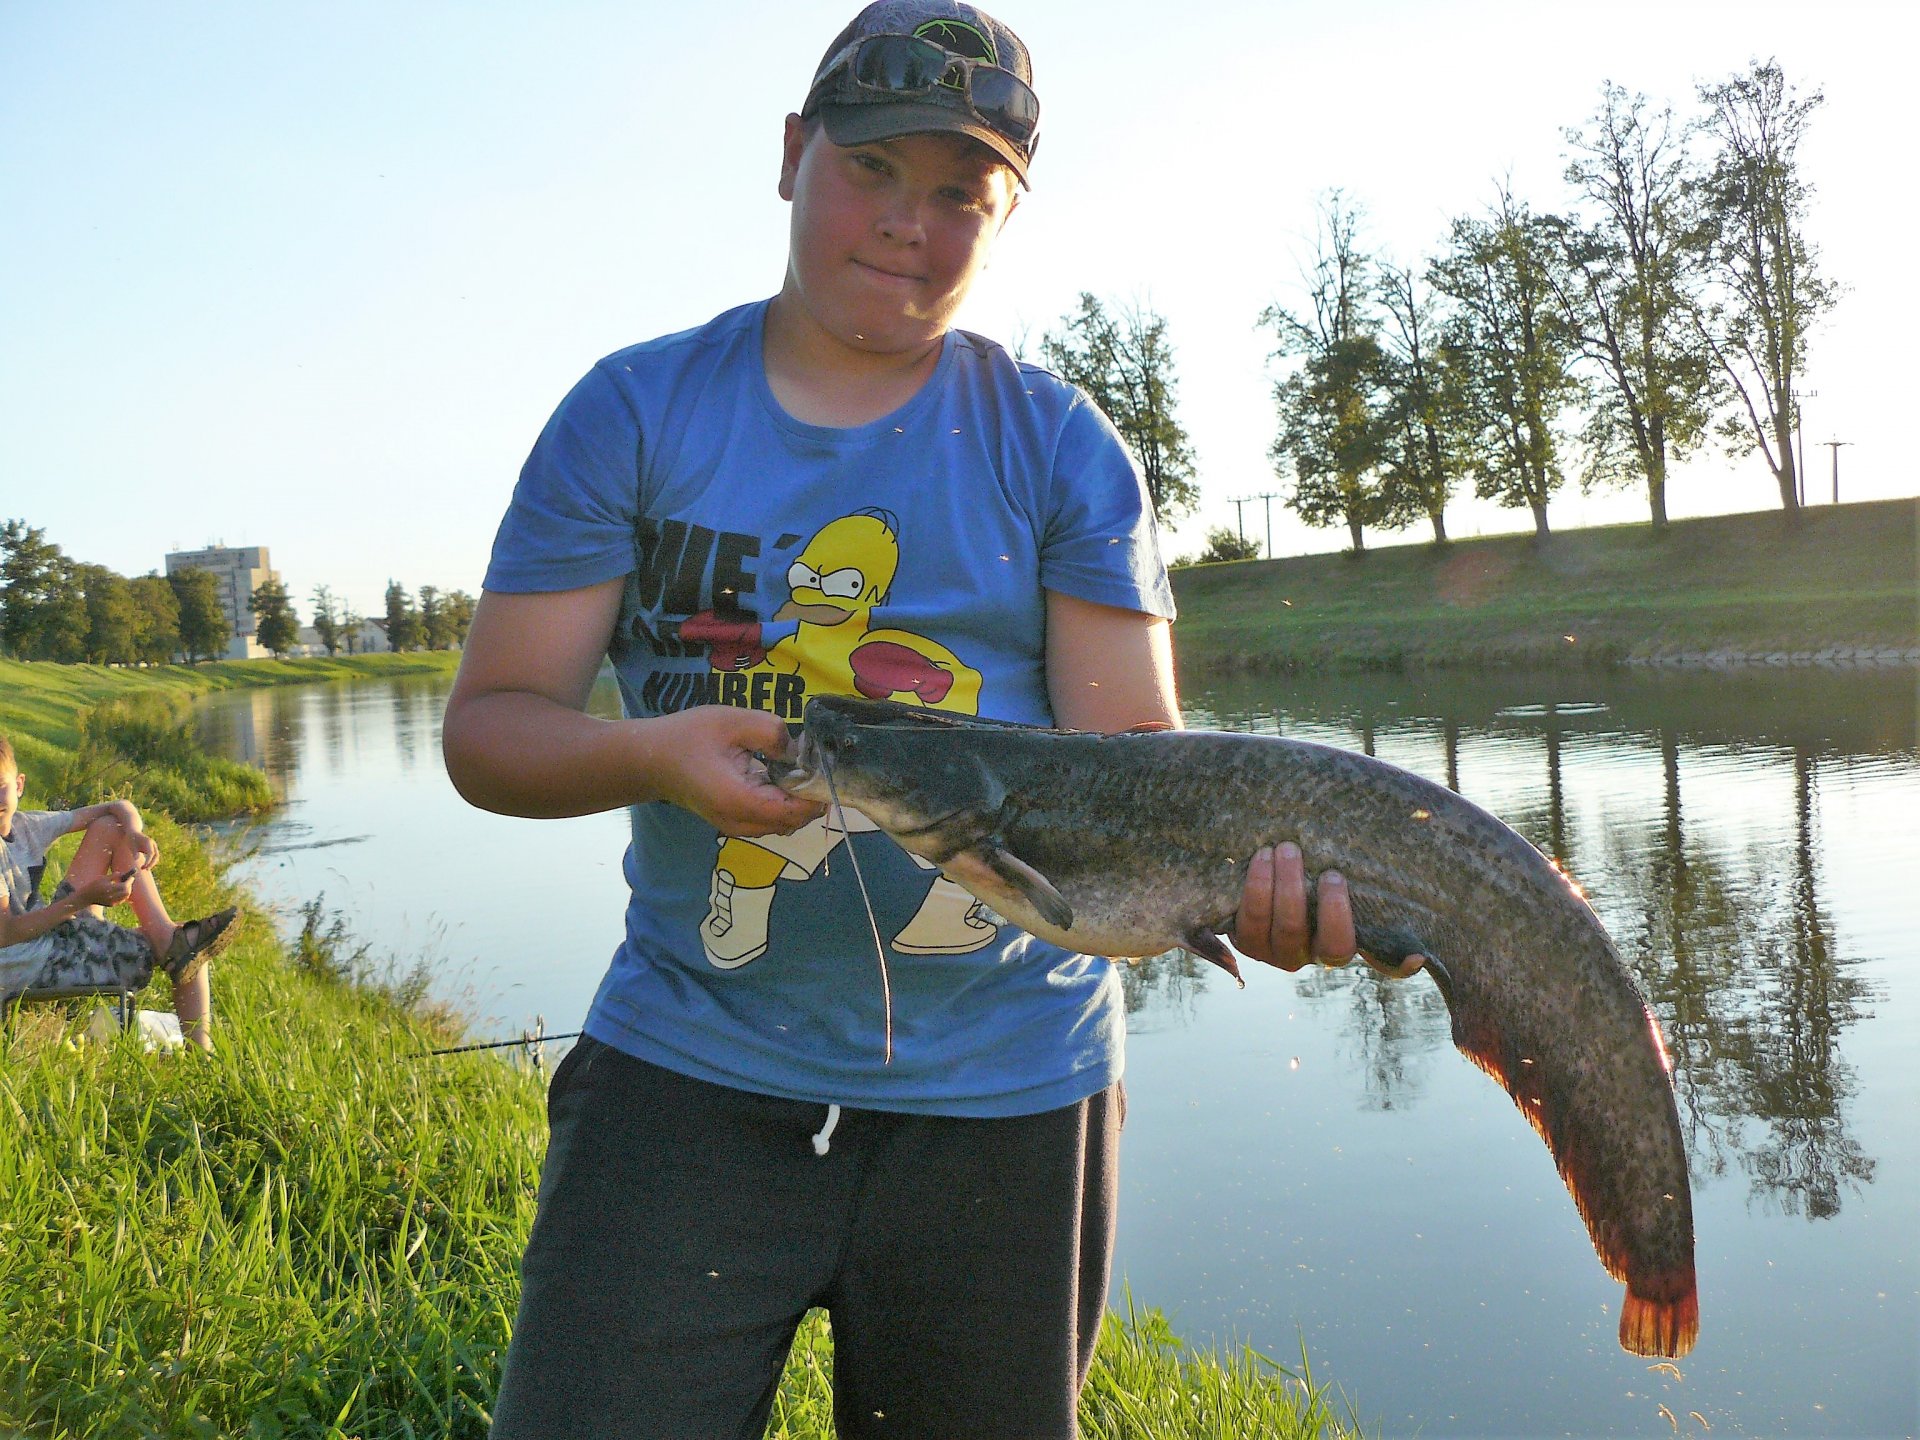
1661 1312
1650 1326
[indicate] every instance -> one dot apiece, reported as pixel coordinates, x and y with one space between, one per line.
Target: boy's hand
1272 925
146 854
704 761
106 890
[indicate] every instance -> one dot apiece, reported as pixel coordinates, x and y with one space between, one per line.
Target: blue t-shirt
767 560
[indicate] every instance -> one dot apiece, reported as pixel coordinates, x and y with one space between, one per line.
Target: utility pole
1268 496
1834 446
1239 519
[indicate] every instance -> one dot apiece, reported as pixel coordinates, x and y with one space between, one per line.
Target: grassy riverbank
1719 588
314 1232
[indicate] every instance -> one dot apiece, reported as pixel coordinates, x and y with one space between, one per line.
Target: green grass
315 1232
1846 576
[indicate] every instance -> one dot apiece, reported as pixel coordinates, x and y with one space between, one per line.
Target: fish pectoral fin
993 873
1209 946
1391 953
1039 891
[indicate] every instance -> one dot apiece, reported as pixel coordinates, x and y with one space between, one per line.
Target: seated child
68 940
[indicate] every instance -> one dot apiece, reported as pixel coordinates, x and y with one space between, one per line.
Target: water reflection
1717 908
1738 952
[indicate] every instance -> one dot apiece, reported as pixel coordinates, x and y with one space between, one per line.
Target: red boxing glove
731 644
884 667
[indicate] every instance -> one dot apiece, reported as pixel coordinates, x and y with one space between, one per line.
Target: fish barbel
1133 844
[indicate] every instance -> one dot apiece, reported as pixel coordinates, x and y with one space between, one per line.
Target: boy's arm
518 740
18 929
146 852
1110 669
124 810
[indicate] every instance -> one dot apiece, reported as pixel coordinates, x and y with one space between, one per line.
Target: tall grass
145 742
315 1232
1147 1384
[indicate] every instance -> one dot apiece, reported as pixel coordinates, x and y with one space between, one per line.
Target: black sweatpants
684 1229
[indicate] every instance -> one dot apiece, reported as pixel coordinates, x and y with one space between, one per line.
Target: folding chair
48 994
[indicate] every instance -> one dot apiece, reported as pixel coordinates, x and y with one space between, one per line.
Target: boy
67 940
829 491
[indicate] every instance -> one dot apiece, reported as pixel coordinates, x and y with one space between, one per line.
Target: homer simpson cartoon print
836 581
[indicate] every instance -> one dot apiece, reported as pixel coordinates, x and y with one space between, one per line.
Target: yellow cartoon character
836 581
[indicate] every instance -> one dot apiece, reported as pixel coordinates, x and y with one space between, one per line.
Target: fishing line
495 1045
873 925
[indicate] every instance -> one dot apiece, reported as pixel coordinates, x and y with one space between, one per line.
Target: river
1309 1161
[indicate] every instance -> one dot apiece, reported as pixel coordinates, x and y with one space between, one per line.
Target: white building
238 573
369 637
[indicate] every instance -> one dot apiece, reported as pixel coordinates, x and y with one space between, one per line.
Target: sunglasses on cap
896 67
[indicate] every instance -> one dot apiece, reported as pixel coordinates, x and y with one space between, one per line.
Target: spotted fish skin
1133 844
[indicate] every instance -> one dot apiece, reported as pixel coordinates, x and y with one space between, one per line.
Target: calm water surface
1310 1160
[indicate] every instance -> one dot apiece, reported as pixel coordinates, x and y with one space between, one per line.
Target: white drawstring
821 1140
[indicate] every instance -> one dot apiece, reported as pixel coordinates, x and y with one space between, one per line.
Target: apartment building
238 572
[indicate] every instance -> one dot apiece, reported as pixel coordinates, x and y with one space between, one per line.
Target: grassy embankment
314 1233
1716 588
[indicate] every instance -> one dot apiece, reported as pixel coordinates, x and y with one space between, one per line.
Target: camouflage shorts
89 951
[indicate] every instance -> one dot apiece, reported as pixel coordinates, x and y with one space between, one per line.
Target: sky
312 276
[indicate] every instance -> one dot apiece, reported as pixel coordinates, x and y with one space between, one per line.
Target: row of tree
53 607
437 621
1673 299
1670 301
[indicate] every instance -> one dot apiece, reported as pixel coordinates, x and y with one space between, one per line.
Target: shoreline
1832 657
1840 587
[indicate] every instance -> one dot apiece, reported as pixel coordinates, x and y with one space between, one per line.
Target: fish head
918 774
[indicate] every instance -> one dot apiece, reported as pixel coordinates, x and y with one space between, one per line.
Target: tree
326 619
1420 446
204 626
403 621
1225 543
112 617
1514 349
1330 409
1768 292
1627 290
276 626
63 620
459 612
30 575
156 635
351 623
436 626
1124 362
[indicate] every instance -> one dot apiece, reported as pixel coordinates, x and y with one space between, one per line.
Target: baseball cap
874 83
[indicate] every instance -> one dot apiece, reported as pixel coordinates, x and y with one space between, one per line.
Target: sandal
195 943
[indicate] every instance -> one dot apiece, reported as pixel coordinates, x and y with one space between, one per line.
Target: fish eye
842 584
802 576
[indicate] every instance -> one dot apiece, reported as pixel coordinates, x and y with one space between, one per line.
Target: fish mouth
805 774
